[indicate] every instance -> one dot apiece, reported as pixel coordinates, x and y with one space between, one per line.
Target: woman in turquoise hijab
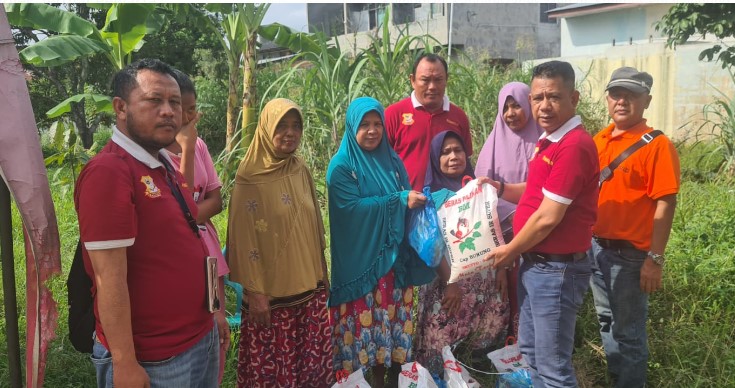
373 269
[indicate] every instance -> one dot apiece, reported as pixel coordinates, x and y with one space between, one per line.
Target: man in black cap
635 212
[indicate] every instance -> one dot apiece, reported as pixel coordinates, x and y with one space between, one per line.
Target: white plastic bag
508 358
454 374
355 380
413 375
471 228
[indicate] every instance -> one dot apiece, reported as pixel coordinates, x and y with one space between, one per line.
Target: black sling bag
607 172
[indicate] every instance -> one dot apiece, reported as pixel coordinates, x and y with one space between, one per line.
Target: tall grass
690 324
719 124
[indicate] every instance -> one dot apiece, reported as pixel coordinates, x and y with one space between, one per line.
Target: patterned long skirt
375 329
482 319
294 352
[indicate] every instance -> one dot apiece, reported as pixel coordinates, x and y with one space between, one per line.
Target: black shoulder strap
176 191
607 172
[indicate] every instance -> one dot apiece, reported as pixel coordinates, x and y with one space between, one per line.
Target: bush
719 124
212 101
101 136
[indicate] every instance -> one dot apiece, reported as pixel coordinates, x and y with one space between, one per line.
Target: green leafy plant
239 26
591 108
719 124
68 153
389 62
685 20
79 39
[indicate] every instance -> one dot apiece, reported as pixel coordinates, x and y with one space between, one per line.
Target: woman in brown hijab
276 251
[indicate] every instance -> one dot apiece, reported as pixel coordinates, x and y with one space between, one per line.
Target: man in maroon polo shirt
557 207
411 123
146 262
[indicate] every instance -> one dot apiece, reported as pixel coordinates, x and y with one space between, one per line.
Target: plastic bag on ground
518 379
413 375
355 380
508 358
454 374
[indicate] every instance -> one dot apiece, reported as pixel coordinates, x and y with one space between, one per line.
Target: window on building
543 9
437 9
405 13
326 18
364 17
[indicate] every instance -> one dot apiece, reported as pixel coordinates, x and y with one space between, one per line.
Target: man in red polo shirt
412 122
557 207
636 211
146 262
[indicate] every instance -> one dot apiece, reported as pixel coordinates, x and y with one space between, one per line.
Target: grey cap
631 79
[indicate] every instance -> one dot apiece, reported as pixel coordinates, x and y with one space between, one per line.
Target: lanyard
173 184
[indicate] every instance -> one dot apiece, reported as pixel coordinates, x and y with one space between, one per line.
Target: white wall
682 84
593 34
436 27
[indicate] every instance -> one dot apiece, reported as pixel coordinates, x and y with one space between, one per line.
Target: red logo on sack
452 365
342 375
512 359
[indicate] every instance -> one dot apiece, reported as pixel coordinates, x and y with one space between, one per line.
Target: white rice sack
471 228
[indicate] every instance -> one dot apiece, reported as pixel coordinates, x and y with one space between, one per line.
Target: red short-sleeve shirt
123 202
410 129
565 169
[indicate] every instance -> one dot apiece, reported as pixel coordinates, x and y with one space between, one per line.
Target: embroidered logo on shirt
407 118
548 161
151 190
541 145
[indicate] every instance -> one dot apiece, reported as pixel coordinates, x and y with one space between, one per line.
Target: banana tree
239 25
79 39
251 16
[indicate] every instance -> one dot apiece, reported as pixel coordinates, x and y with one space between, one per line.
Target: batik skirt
294 352
375 329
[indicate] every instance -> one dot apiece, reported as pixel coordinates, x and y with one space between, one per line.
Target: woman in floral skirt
474 309
373 269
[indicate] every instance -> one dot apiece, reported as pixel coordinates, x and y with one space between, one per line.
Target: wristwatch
657 258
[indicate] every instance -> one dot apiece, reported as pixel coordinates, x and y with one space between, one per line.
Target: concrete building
507 32
597 38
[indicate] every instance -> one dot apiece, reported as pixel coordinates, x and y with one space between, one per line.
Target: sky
289 14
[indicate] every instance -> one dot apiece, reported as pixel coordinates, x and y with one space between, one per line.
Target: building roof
580 9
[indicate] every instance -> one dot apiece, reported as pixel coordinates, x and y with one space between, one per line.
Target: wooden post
9 298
